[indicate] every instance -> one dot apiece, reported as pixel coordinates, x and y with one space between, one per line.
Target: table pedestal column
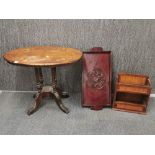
50 91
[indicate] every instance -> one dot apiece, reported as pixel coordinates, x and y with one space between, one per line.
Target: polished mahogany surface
43 56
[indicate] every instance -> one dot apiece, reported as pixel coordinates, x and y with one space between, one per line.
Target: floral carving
96 79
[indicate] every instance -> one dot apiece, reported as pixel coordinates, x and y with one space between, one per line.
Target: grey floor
50 120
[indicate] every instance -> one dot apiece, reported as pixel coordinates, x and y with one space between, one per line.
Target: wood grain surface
43 56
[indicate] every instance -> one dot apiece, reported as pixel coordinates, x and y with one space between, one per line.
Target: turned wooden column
39 79
54 78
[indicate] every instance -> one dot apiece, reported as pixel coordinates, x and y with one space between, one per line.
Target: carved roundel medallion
96 78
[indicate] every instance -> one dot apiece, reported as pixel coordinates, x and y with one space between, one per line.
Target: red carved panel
96 79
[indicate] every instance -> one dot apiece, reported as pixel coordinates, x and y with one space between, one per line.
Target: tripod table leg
55 92
36 104
59 102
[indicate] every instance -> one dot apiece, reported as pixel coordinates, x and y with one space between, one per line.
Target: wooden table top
43 56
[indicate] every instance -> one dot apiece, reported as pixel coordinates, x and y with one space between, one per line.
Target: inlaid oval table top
43 56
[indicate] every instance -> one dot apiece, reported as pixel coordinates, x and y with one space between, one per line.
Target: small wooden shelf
132 93
130 106
134 89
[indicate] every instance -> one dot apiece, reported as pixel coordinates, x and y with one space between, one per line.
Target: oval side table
44 56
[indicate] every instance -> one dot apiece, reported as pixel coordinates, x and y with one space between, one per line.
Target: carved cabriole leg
38 96
55 93
59 102
36 104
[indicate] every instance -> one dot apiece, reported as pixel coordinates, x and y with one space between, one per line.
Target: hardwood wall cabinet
132 93
96 79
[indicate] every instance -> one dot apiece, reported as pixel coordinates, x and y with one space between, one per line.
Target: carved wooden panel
96 79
